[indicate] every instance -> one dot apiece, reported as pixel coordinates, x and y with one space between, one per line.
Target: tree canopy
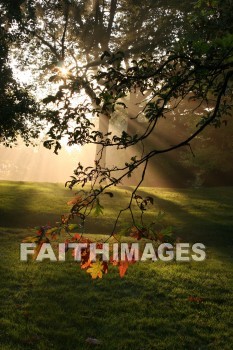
18 110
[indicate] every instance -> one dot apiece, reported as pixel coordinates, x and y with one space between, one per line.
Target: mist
38 164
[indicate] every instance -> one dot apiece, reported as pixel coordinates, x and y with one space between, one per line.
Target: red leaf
75 200
123 267
76 237
136 233
105 267
85 264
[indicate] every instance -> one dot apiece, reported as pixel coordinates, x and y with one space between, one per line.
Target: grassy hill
57 306
205 213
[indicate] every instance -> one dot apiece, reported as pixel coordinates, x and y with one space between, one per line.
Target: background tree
74 34
198 70
95 65
18 109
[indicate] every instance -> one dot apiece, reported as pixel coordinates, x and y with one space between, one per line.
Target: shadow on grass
28 205
203 215
196 222
193 220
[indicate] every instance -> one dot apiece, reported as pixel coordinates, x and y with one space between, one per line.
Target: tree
18 109
198 69
88 48
74 34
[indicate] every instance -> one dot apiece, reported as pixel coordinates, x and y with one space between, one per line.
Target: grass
57 306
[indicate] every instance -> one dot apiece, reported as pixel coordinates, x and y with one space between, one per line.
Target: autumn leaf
76 237
96 269
114 262
105 267
75 200
51 231
31 239
85 254
136 233
86 264
79 200
123 267
99 245
85 240
64 219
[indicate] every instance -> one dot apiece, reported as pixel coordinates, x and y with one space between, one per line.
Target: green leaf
168 231
73 227
98 208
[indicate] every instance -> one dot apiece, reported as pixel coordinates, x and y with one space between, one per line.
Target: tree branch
66 18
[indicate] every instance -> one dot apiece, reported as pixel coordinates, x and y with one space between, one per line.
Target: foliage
90 49
18 109
155 232
211 153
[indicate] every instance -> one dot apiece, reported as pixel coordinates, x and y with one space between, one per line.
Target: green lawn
57 306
